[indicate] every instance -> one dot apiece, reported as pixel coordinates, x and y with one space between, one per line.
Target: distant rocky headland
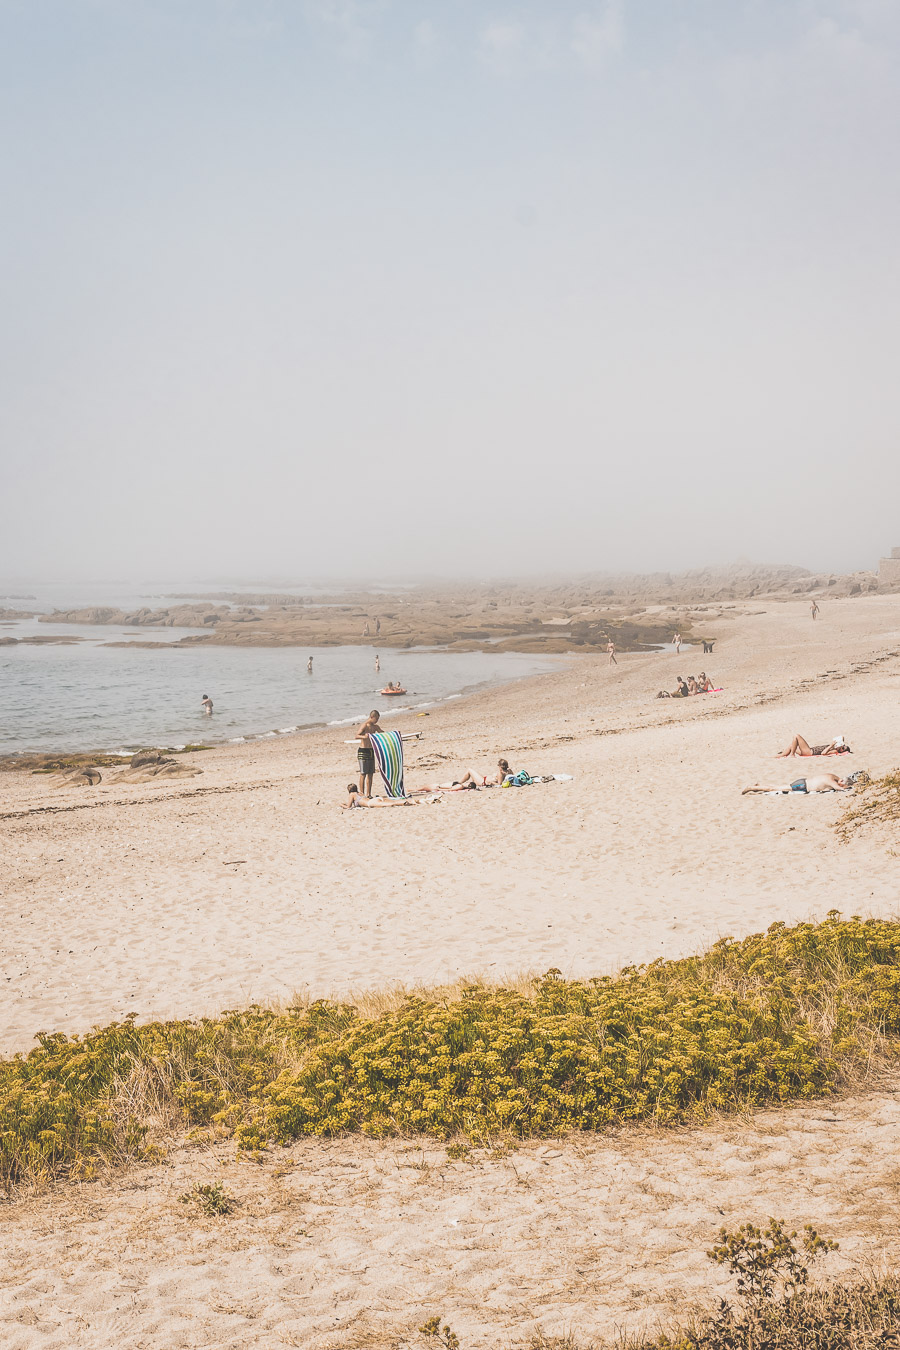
636 611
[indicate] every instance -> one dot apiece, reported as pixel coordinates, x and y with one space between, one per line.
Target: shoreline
249 883
18 760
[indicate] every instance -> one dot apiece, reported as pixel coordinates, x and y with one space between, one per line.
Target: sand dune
355 1243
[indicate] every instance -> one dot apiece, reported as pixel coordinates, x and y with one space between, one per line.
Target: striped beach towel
388 748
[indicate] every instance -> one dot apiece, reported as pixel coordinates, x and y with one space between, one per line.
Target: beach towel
388 748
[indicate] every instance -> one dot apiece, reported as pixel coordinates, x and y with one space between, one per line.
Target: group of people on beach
800 748
701 685
469 782
361 794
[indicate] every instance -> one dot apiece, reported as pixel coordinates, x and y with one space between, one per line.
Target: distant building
889 568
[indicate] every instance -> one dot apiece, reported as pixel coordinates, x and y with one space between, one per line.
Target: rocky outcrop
84 776
151 764
182 616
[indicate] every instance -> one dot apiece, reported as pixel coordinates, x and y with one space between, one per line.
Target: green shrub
785 1015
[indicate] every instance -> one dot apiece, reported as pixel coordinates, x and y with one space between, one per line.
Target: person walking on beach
366 755
377 627
611 652
814 610
366 629
377 664
309 666
676 643
206 704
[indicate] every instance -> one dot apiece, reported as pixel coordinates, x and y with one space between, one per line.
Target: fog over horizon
392 290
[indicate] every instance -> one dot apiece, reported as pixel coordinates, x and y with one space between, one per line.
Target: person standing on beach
377 627
366 629
676 643
309 666
206 704
611 652
814 610
377 664
366 755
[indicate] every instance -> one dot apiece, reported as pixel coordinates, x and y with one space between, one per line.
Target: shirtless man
377 664
206 705
366 755
356 799
802 748
826 782
814 610
676 643
611 652
309 665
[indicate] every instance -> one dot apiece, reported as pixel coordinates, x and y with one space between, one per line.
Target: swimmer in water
206 704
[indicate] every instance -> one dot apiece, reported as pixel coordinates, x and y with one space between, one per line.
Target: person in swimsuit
802 748
826 782
676 643
366 755
611 652
693 686
704 683
377 664
356 799
309 666
503 772
206 704
466 783
814 610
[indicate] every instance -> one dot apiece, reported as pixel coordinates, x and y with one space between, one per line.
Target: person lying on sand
357 799
827 782
467 782
801 747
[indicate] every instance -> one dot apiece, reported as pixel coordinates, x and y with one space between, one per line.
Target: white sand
358 1242
132 898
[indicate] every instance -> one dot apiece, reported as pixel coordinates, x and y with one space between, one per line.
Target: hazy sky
459 287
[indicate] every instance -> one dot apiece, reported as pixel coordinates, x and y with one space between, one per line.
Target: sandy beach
249 883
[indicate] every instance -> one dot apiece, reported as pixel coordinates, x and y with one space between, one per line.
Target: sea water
91 696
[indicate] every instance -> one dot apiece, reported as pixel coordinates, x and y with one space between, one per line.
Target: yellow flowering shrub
787 1014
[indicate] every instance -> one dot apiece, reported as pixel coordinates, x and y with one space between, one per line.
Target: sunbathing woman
801 747
467 782
827 782
356 799
503 772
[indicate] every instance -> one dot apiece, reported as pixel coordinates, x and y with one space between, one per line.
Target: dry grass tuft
876 803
